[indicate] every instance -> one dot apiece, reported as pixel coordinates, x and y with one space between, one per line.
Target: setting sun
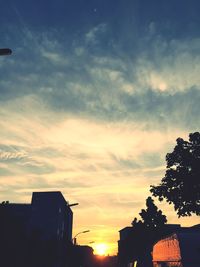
101 249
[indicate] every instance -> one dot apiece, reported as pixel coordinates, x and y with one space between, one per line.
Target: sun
100 249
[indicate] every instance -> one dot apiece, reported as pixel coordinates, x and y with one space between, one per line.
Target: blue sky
93 97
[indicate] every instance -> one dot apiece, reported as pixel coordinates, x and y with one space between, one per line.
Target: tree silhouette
146 231
181 184
152 218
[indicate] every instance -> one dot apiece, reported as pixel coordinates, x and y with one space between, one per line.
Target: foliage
181 184
152 218
145 232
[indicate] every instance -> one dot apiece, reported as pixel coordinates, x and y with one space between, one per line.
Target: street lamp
73 204
5 51
83 232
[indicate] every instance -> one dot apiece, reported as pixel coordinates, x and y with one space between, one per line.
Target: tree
146 232
181 184
152 218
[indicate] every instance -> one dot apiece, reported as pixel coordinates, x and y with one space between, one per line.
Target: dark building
136 244
51 216
82 256
20 212
36 234
180 249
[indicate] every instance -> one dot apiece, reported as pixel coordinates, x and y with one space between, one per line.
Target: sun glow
101 249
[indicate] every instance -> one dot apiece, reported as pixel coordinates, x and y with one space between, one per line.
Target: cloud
10 154
149 87
170 66
126 163
85 124
20 158
5 172
92 37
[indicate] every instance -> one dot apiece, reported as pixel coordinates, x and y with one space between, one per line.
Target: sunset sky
91 100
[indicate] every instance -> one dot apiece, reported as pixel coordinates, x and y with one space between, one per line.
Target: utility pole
74 239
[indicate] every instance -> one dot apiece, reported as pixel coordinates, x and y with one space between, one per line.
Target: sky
91 101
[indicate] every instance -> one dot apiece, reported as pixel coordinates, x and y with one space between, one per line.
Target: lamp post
73 204
5 51
83 232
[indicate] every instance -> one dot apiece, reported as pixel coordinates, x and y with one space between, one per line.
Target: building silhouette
136 244
51 216
36 234
178 249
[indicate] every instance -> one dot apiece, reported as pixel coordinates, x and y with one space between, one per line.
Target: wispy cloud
9 153
95 34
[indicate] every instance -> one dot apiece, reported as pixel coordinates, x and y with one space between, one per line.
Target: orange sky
106 168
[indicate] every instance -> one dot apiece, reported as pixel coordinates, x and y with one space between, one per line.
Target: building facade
136 243
178 249
51 216
36 234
